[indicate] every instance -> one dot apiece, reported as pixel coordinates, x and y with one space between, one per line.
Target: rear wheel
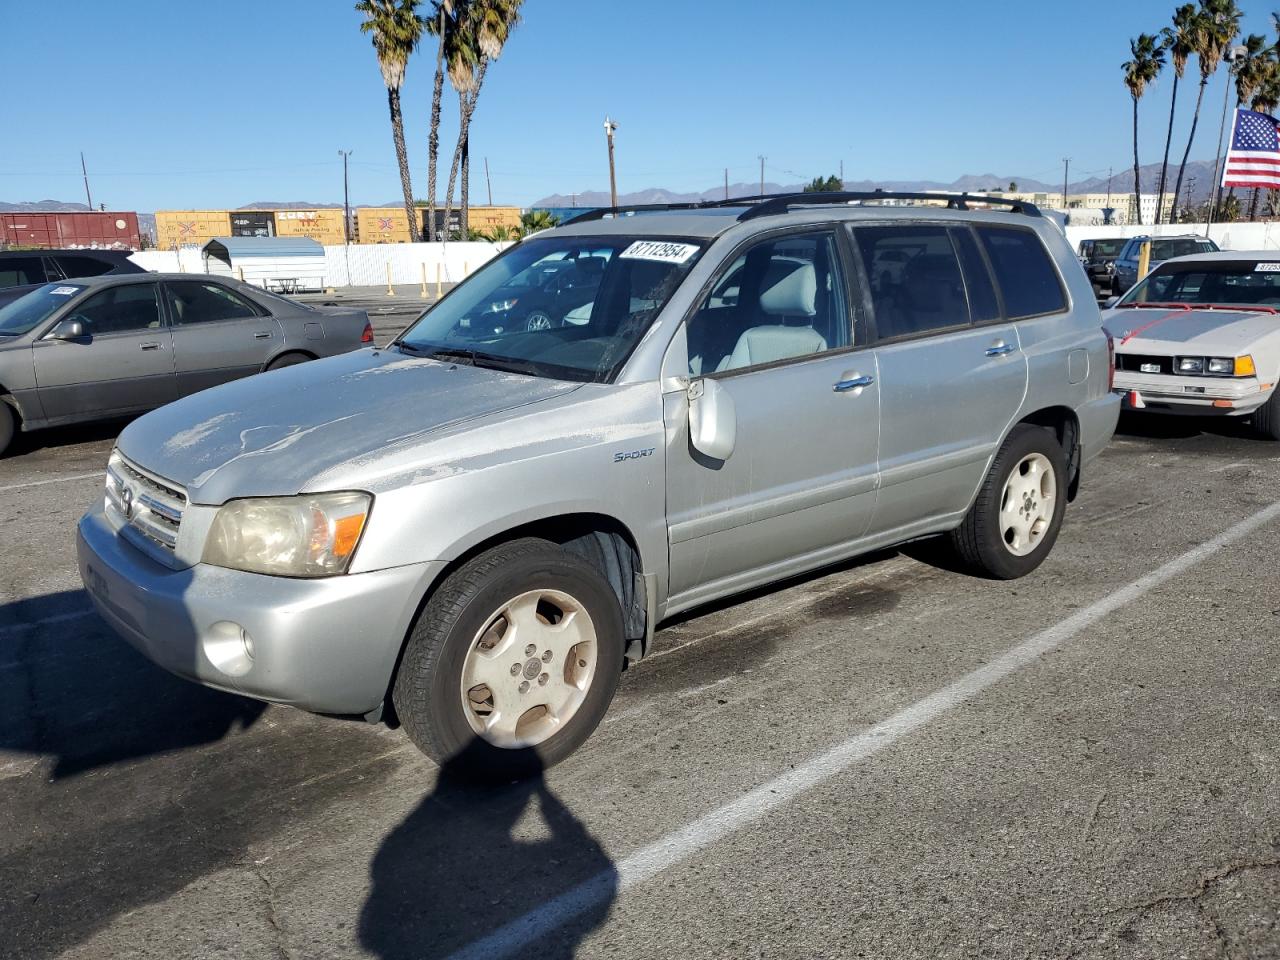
1266 419
1015 519
289 360
512 663
8 426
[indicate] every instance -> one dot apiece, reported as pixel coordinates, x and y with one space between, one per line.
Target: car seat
792 300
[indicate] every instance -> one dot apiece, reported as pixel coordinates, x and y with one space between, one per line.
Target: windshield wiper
405 345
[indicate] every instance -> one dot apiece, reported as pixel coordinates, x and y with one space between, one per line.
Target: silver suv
472 528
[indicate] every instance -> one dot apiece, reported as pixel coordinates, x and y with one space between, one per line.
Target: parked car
1162 249
21 271
474 529
1098 257
1201 335
112 346
542 295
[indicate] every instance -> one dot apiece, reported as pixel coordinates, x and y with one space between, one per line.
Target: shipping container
323 225
382 225
111 230
183 228
252 223
482 219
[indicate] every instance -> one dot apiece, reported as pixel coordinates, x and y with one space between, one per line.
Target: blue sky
191 105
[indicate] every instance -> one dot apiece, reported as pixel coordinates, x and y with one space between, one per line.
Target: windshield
1107 248
571 308
1223 283
1168 249
34 308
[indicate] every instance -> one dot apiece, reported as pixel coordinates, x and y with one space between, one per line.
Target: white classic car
1201 335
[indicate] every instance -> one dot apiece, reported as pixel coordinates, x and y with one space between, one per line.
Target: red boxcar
115 231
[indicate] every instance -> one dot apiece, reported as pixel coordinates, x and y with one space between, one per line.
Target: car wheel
1266 419
512 663
8 426
538 319
289 360
1015 519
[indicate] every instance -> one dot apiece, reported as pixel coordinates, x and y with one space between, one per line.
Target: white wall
1228 236
361 264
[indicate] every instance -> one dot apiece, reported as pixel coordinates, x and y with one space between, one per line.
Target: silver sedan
114 346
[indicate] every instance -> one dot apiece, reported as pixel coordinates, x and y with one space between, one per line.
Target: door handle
999 349
262 335
853 383
149 346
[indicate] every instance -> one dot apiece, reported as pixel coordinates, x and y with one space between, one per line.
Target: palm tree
1148 58
483 27
535 220
396 29
1178 41
438 25
1216 24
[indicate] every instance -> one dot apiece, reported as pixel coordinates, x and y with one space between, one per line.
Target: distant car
21 271
543 295
1162 249
112 346
1098 257
1201 335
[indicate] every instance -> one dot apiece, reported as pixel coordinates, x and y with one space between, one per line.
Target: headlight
312 535
1222 365
502 306
1190 365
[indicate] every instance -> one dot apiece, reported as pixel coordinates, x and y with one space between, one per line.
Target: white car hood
1196 332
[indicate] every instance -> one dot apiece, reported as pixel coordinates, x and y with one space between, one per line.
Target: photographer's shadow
471 859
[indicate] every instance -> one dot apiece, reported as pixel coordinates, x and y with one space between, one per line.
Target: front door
218 335
801 481
123 364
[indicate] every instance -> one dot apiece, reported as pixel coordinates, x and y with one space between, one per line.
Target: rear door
952 375
218 334
123 364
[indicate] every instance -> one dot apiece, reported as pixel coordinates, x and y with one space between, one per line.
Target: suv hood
1203 332
269 434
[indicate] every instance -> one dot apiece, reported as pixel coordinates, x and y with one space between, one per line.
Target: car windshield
32 309
570 308
1218 282
1107 248
1168 249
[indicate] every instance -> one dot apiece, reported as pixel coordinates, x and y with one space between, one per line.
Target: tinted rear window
84 266
1024 271
1168 249
20 271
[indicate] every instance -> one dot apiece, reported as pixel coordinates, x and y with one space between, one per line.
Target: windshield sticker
659 250
68 291
1272 267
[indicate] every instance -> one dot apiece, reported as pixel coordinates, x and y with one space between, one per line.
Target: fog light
228 647
248 643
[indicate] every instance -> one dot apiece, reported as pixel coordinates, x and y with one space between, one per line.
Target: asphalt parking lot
885 760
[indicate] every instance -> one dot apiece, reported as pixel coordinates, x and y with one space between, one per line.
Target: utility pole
1109 169
1066 171
487 182
761 174
726 183
609 128
841 174
84 170
346 198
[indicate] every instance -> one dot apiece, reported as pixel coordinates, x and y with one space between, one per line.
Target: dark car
1098 257
543 295
21 271
1162 249
104 347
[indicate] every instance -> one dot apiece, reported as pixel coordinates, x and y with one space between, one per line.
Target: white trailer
279 264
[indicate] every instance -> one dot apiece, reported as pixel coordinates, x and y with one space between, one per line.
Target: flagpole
1219 177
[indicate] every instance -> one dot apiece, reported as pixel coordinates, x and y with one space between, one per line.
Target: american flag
1254 157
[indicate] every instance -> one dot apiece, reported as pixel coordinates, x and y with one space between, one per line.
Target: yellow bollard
439 289
466 269
241 271
1144 259
390 291
424 281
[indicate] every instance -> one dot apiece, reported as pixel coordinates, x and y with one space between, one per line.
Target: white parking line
40 483
683 843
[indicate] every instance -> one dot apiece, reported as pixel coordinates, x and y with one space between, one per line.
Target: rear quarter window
1024 271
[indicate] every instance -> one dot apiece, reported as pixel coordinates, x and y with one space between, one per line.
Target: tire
1266 419
289 360
538 319
1010 544
439 691
8 426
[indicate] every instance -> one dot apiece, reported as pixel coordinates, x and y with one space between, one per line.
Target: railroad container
184 228
382 225
112 230
323 225
252 223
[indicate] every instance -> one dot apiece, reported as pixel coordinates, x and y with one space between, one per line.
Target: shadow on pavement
71 688
471 859
54 437
1180 427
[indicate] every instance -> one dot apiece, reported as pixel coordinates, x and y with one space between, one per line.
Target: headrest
590 264
794 295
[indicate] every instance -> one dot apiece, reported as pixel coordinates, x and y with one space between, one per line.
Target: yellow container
323 226
382 225
182 228
482 218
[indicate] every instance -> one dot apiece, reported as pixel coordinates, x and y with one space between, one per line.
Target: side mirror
66 330
713 422
1110 302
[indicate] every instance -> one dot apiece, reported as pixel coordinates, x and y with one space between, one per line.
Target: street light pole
1066 171
609 128
761 156
346 198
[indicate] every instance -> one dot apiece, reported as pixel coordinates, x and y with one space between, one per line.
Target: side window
782 299
196 302
18 271
916 283
123 309
1024 271
52 270
983 305
83 266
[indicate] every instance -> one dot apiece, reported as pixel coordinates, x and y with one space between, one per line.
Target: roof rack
599 213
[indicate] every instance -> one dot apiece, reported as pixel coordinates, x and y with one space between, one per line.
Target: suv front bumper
326 645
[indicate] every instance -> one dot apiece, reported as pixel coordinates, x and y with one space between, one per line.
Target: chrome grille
145 504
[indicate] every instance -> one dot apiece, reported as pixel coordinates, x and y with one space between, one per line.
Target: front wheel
512 663
1266 419
1015 519
538 319
8 426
